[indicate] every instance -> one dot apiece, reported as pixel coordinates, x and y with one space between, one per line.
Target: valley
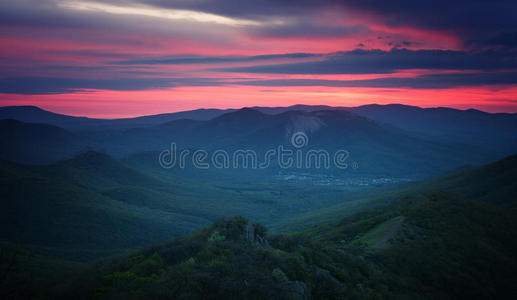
87 209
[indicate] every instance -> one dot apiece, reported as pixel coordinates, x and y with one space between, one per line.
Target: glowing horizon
132 58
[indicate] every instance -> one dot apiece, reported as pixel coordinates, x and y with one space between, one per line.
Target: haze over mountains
118 194
34 114
98 194
394 114
91 196
93 200
391 140
78 191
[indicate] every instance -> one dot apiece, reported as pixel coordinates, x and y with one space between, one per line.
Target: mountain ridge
23 113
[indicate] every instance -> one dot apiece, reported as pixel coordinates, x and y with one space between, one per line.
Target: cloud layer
347 49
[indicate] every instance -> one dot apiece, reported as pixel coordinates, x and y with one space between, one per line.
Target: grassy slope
37 143
59 209
366 200
424 244
494 183
447 247
95 203
381 235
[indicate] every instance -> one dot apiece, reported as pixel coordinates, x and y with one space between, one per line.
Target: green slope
421 244
37 143
444 247
44 211
494 183
91 202
94 202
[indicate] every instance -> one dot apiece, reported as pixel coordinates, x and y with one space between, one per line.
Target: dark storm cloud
475 21
505 39
309 30
472 20
478 23
432 81
49 14
381 62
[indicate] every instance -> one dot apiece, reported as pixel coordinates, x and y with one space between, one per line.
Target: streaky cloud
51 85
180 60
431 81
382 62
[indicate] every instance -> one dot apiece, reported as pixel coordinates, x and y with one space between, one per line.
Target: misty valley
90 210
258 149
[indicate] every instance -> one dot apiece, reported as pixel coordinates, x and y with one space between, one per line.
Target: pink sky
114 59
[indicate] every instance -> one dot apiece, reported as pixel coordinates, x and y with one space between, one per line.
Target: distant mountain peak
90 158
9 122
306 123
34 114
249 110
92 154
395 106
20 107
243 114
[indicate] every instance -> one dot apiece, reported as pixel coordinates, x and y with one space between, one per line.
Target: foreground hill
95 203
67 205
37 143
434 245
425 244
493 183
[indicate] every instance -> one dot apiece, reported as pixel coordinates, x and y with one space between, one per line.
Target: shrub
279 275
216 237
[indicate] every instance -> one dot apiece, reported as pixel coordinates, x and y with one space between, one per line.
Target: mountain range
376 137
426 208
97 203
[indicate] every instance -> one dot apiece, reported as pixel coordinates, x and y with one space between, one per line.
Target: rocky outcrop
297 290
324 274
255 234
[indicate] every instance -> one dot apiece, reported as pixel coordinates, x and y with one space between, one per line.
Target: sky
124 58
